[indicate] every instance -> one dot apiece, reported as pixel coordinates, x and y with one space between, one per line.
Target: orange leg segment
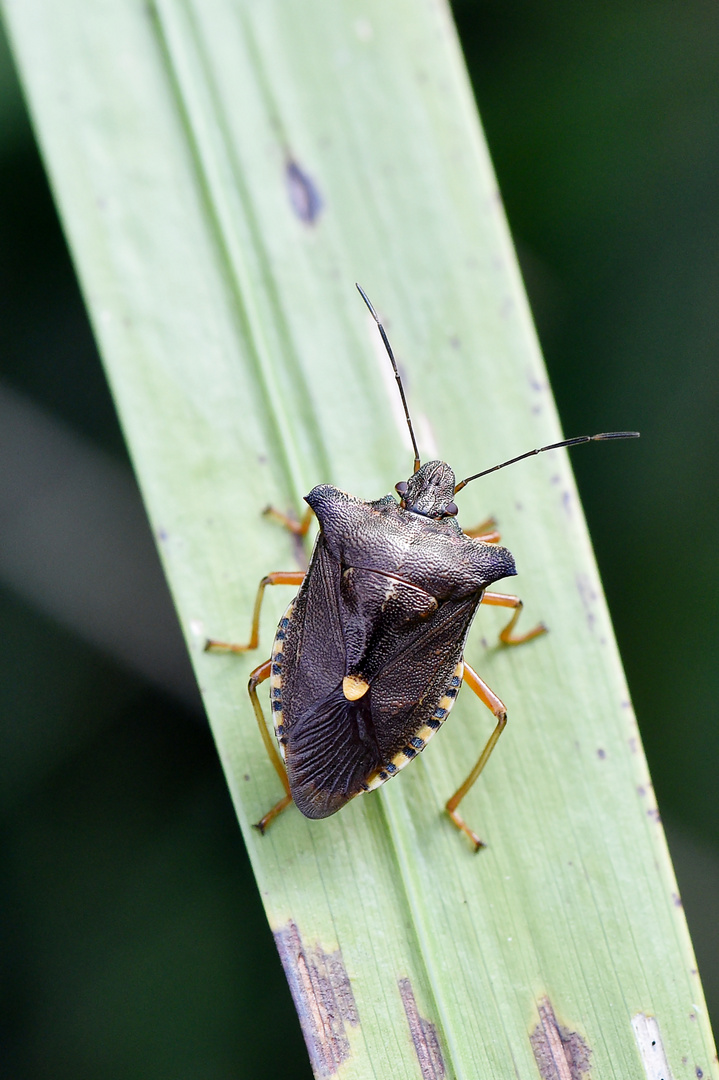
506 636
278 577
485 531
490 699
260 675
298 528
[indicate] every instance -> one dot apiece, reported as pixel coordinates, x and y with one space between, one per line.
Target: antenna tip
603 436
366 299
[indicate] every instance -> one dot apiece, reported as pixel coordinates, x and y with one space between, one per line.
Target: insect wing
328 741
408 694
336 748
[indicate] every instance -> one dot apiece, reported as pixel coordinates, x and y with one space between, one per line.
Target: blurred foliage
122 858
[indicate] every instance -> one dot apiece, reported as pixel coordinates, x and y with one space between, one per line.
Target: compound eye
402 488
451 510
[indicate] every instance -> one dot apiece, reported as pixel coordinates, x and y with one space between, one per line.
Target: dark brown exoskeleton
367 660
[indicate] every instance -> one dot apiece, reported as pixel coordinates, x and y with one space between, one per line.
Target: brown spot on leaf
305 198
323 997
560 1054
424 1035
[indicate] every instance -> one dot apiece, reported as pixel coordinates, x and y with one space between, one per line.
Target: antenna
553 446
388 347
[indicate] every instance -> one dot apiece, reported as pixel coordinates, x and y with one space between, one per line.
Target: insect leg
497 599
490 699
486 531
260 675
277 577
297 528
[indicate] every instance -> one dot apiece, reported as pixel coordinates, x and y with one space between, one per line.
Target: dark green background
125 887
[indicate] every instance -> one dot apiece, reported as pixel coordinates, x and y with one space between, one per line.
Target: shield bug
367 660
